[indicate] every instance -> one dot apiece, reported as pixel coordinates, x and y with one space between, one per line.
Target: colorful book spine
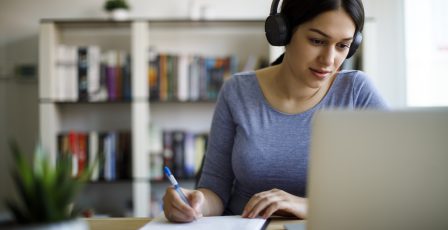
82 74
110 153
187 77
182 152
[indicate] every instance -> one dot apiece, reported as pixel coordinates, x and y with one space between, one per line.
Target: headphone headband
278 31
274 7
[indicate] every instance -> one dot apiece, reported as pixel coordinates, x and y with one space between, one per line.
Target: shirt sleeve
217 174
366 95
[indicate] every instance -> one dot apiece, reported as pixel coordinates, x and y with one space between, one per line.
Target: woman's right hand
176 210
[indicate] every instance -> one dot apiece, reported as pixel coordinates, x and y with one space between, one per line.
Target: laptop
379 170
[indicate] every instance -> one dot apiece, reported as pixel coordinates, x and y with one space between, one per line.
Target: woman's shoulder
240 88
243 77
361 87
352 75
353 78
240 81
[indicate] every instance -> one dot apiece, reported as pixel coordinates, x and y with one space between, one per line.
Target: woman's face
318 47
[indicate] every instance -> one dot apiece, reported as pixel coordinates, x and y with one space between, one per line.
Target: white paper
209 222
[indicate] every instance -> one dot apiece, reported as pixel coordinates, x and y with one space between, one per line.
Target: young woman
256 161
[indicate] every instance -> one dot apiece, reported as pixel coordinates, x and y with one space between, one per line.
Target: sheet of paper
209 222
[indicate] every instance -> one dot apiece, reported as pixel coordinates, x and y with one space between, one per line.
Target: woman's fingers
178 215
176 209
266 201
275 201
271 209
259 202
197 199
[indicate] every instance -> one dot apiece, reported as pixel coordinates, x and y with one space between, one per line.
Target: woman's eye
317 41
344 46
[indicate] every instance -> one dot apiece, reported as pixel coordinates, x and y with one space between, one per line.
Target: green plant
111 5
46 191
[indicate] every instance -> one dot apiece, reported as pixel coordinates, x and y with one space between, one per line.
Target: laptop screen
379 170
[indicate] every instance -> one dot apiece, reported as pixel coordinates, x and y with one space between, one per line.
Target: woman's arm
213 205
217 177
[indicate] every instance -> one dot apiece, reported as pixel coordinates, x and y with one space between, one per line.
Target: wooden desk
116 223
136 223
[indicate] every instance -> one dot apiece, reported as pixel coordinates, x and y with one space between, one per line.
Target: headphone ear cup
277 30
355 44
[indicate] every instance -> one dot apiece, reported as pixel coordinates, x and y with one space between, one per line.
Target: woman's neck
292 88
285 95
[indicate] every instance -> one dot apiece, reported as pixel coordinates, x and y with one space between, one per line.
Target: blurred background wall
19 20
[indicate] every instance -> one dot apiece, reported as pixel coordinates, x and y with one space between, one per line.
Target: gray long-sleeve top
253 147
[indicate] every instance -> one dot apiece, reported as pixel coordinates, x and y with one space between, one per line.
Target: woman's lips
321 74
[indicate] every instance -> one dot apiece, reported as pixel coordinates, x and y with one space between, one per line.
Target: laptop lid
379 170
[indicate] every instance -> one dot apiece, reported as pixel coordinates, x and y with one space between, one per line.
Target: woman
256 161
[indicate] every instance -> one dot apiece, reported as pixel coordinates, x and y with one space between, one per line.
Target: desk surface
136 223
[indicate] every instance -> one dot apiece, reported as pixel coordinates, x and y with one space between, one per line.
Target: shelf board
93 22
125 181
74 21
107 23
49 101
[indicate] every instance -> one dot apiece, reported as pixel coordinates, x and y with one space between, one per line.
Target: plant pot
73 224
119 14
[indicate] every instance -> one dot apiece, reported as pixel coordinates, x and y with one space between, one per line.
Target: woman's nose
327 56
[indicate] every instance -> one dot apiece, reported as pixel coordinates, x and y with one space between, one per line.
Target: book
82 153
178 144
200 146
163 90
153 75
182 78
66 82
70 77
124 156
93 72
189 158
208 222
111 75
194 80
73 150
127 87
168 155
82 74
93 154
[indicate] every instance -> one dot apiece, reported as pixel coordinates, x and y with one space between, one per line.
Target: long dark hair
297 12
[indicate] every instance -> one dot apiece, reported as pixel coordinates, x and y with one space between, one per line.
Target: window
426 34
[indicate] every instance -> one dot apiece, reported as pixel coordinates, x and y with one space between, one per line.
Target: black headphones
278 31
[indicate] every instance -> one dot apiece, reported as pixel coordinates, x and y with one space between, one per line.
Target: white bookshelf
242 38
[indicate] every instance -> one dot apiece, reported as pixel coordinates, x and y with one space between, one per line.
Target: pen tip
167 170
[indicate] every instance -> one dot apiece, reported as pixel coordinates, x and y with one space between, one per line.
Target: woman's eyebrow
326 35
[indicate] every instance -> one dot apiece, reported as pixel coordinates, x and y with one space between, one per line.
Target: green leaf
115 4
46 191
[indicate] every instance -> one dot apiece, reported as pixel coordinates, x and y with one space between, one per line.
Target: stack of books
188 77
85 73
112 150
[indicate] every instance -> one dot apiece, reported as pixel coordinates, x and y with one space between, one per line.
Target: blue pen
175 185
